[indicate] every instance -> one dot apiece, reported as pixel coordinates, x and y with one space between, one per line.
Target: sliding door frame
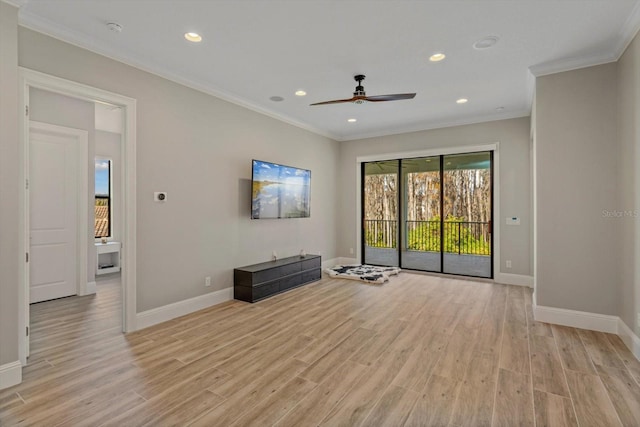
493 148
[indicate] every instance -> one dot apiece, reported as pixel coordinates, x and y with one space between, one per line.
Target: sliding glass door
467 209
421 249
380 212
445 208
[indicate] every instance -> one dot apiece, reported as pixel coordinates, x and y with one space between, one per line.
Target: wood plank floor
417 351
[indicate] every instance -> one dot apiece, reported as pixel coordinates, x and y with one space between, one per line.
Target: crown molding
569 64
50 28
16 3
628 31
439 125
624 37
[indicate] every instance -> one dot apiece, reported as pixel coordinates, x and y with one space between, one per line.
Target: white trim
91 288
338 261
630 339
570 64
443 151
514 279
589 321
330 263
181 308
42 25
628 31
625 36
16 3
34 22
30 78
576 319
441 124
10 374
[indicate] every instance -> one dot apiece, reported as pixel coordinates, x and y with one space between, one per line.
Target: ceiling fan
360 96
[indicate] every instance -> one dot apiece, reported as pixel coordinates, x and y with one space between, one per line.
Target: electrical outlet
274 256
351 251
508 263
207 281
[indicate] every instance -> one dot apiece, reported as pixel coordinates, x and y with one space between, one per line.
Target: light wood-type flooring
417 351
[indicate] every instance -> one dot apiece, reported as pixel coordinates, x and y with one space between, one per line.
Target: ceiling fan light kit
360 96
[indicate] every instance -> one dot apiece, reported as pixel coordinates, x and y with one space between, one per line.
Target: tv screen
279 191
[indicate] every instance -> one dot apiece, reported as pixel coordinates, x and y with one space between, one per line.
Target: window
103 202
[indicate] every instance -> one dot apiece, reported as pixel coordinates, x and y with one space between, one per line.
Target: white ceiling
255 49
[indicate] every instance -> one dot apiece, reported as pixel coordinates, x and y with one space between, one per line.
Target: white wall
629 183
56 109
576 183
11 261
198 148
514 185
108 146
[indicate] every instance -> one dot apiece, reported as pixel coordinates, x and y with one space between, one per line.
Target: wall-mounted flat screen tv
279 191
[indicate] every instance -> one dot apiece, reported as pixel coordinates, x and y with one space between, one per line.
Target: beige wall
11 261
515 184
576 183
629 183
198 148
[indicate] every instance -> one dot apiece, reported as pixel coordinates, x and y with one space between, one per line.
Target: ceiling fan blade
393 97
335 101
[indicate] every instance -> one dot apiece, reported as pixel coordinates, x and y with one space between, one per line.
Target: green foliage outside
381 237
425 236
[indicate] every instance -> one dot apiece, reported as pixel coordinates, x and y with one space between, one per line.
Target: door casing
28 79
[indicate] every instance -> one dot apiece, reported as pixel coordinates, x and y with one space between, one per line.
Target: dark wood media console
255 282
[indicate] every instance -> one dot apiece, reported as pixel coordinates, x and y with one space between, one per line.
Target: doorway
431 213
30 79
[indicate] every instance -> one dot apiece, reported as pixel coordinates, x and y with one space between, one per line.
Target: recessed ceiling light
276 98
300 93
352 120
486 42
437 57
462 101
116 28
193 37
500 109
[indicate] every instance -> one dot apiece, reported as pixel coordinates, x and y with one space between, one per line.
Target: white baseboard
514 279
91 288
576 319
181 308
338 261
590 321
330 262
10 374
630 339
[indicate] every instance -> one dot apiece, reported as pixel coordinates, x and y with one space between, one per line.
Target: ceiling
256 49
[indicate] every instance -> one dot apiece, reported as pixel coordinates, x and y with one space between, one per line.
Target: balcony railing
460 237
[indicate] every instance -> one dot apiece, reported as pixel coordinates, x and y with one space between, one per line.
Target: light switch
514 220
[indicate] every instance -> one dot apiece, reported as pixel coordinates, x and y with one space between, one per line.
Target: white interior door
54 163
